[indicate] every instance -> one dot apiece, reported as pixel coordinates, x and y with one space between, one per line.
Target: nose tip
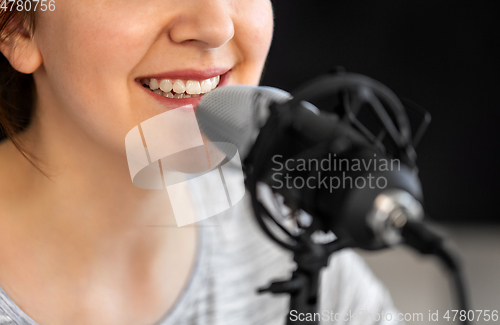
209 25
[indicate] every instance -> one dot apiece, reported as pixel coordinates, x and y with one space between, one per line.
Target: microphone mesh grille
234 114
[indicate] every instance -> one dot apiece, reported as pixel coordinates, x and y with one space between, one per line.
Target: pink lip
171 103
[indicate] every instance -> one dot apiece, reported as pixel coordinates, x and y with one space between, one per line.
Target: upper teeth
172 88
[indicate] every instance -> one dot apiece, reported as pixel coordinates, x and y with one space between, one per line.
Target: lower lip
172 103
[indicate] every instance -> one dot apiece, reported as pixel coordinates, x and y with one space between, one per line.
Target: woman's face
96 52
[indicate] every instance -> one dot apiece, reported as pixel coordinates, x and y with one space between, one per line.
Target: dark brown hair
16 89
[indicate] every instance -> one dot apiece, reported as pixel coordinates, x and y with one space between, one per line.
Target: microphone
370 216
272 128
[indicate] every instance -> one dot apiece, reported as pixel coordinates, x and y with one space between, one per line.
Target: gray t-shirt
234 259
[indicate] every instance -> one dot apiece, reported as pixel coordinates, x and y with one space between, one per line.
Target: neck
85 222
87 190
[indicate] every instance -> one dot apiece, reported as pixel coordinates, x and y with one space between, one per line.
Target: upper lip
188 74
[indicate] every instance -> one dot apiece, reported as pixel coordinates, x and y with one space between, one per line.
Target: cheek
93 46
88 59
253 34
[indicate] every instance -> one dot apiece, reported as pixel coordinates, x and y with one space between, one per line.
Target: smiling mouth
180 89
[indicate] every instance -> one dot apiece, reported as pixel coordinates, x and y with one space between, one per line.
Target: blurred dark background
443 55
